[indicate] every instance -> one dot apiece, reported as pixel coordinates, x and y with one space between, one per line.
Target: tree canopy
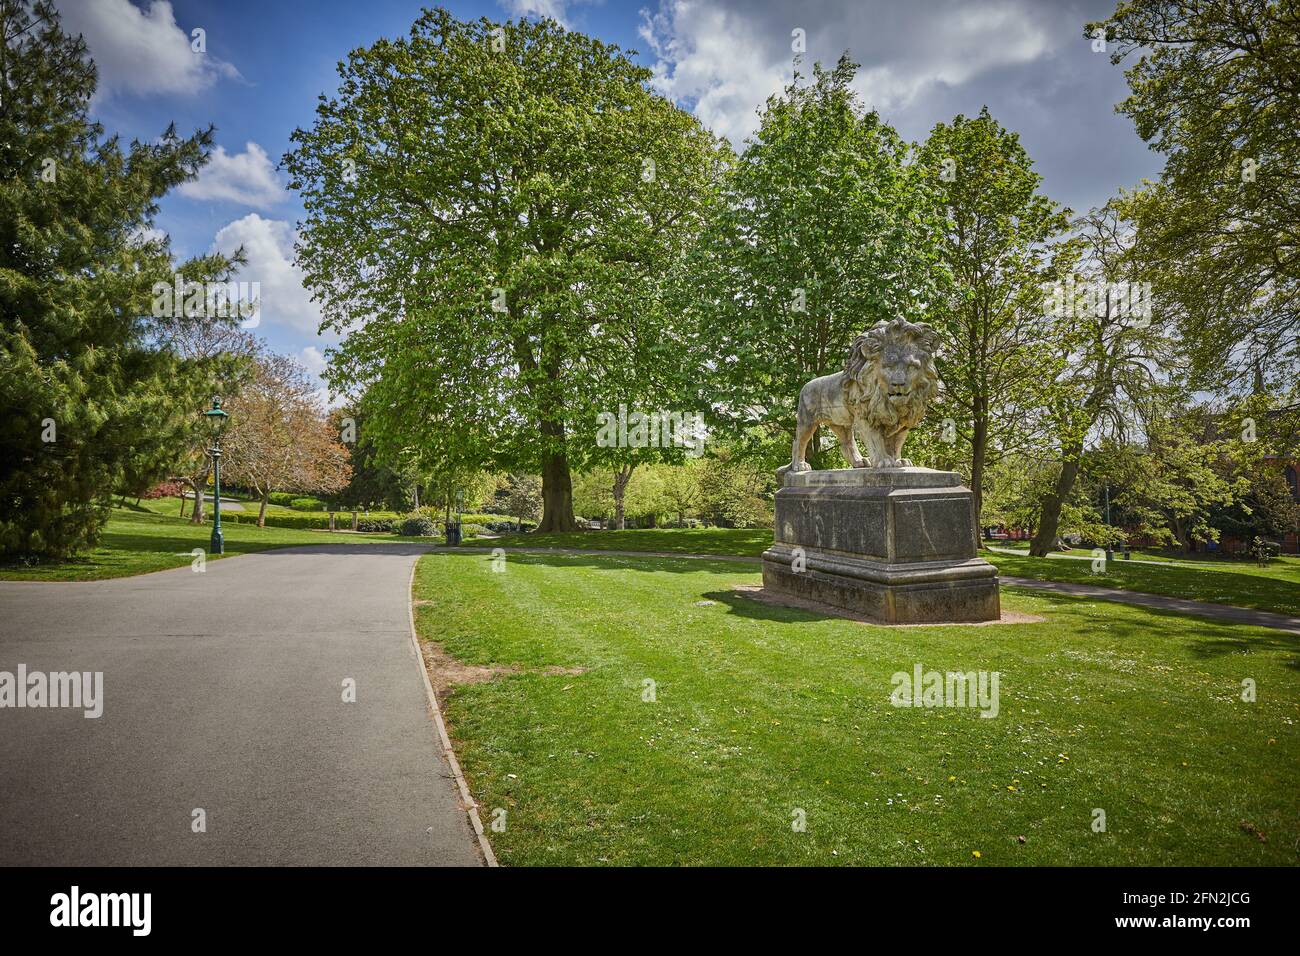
92 399
485 205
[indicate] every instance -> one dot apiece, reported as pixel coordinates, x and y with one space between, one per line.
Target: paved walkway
1218 612
223 691
1159 602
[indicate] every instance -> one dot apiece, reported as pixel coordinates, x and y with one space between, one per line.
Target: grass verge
137 542
760 713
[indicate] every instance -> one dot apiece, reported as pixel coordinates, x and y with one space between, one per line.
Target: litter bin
453 532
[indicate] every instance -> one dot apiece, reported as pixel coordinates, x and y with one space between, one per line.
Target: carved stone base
896 544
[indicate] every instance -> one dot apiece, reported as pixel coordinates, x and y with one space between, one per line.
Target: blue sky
267 62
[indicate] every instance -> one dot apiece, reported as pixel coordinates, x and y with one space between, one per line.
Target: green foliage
998 236
1214 89
89 402
522 498
820 234
374 481
735 491
417 526
316 521
479 194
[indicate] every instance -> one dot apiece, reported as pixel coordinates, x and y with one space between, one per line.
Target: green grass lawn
1284 567
136 542
1275 588
761 712
1221 585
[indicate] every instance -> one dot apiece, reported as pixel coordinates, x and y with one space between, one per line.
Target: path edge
448 753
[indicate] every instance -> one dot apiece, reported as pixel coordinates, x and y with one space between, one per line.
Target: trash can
453 532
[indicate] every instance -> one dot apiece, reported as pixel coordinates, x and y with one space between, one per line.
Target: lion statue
888 379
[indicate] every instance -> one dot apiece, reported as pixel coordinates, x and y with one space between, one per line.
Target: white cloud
268 246
139 50
247 178
555 9
150 234
313 360
725 57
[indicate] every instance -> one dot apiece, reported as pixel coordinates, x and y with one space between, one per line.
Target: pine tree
89 399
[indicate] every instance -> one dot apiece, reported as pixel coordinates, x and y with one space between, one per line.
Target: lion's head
890 375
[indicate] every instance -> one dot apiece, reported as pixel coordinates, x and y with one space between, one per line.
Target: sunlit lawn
136 542
1285 567
761 712
1231 584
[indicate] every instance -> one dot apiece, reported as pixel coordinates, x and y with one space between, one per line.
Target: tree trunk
557 484
261 512
198 483
621 478
1053 501
979 445
198 496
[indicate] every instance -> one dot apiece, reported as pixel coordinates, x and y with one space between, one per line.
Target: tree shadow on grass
1204 638
720 564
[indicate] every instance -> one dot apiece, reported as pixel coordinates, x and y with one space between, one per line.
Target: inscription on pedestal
895 544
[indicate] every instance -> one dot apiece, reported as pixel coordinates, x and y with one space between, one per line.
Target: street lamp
217 419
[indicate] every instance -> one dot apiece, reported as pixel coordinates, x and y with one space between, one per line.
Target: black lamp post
217 418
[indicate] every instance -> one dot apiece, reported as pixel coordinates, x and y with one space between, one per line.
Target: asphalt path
223 692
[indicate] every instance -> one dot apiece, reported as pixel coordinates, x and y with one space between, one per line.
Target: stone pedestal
894 544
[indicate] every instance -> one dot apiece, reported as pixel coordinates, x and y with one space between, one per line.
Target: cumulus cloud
247 178
725 57
921 64
268 246
141 50
312 360
555 9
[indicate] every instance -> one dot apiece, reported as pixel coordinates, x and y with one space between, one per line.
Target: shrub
164 489
418 526
377 524
308 504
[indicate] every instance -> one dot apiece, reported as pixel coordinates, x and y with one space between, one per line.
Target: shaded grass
762 711
137 542
743 541
1242 585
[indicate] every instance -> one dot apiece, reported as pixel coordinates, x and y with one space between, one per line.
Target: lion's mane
862 389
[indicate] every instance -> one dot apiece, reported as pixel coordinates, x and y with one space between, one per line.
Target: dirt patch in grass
446 672
756 592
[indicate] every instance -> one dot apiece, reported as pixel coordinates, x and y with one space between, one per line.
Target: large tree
278 438
998 360
220 355
1216 88
819 235
485 205
1117 360
90 400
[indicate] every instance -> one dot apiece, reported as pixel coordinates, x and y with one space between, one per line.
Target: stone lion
888 379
